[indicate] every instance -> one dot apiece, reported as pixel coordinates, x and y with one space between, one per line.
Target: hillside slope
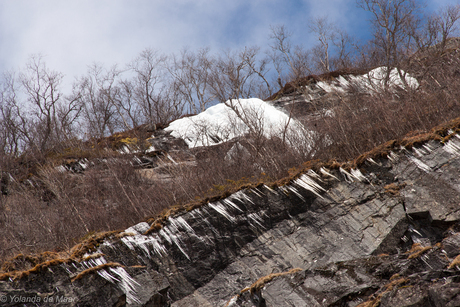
384 230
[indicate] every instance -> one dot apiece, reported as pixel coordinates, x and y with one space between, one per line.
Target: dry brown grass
261 282
417 250
374 300
36 269
455 263
96 269
394 188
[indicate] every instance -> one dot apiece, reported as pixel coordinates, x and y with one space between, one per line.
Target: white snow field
373 81
237 117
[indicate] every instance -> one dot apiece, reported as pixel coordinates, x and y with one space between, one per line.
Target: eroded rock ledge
347 231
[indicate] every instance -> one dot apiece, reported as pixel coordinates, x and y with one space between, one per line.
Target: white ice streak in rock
325 172
143 242
171 236
127 284
419 163
180 222
309 184
294 190
373 161
356 173
221 209
348 176
452 148
427 147
393 157
241 196
257 219
231 204
418 152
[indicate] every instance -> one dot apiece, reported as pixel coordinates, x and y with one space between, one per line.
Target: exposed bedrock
347 232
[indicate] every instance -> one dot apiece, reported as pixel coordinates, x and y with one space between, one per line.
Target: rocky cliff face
385 232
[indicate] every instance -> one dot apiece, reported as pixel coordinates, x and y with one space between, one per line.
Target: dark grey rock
347 235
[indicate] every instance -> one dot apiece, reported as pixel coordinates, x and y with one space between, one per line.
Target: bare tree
97 93
394 24
325 33
14 125
238 75
438 27
51 114
446 21
127 103
153 92
192 75
286 57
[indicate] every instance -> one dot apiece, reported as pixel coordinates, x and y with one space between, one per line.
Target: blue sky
71 35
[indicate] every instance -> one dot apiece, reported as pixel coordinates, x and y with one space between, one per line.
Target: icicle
231 204
165 235
270 189
139 228
131 241
427 147
420 164
309 184
127 284
257 219
176 240
242 196
418 152
221 209
356 173
393 157
325 172
257 192
104 274
294 190
452 148
312 173
179 222
348 176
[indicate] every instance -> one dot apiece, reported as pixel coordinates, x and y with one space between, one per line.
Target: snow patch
373 81
237 117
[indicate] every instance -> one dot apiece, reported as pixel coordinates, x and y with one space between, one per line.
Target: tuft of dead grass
374 300
454 263
394 188
261 282
96 269
417 250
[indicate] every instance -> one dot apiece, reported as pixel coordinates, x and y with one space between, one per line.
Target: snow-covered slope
225 121
373 81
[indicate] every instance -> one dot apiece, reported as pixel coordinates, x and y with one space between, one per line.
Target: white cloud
73 34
